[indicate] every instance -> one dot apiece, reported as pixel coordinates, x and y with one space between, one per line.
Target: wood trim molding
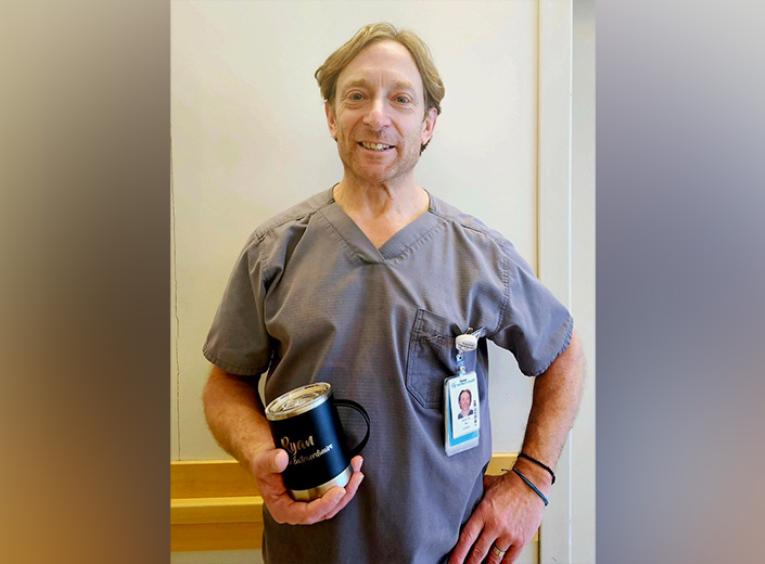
555 225
210 478
214 504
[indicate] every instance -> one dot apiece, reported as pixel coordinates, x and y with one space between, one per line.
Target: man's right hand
267 466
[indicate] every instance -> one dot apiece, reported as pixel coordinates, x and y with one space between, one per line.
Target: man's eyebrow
355 83
362 82
403 85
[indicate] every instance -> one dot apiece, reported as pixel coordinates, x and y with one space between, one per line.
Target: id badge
462 415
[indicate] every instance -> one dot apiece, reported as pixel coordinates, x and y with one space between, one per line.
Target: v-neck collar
395 247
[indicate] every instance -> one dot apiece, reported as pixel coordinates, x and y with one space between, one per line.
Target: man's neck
381 210
380 201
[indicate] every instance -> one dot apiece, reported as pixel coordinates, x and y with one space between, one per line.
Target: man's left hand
506 518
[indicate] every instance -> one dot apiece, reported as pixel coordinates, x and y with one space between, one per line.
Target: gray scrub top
311 299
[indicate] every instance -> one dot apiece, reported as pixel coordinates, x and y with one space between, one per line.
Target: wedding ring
497 552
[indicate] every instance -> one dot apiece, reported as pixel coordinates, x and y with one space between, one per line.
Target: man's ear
331 122
428 125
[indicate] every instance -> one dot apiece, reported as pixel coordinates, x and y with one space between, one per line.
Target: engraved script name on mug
295 446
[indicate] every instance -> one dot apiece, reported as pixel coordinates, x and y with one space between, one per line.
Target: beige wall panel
174 373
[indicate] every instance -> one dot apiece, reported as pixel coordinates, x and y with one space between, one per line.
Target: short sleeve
237 341
533 324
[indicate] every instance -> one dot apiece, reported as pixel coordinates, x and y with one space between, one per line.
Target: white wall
249 139
583 276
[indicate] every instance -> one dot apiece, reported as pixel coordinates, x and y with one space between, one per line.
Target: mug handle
356 407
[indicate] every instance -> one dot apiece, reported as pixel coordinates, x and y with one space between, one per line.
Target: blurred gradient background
84 165
681 281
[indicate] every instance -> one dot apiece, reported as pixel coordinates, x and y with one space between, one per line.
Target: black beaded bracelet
538 463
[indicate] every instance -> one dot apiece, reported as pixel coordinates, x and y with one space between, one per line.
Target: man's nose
377 115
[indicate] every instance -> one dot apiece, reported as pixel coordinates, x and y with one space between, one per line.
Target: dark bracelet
538 463
530 484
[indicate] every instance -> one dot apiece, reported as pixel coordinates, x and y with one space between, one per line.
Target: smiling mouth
378 147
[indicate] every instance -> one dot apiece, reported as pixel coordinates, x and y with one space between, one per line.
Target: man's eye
355 96
403 99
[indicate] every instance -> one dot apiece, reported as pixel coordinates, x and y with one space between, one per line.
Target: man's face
379 117
464 402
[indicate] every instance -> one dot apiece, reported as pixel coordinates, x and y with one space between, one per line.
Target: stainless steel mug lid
298 401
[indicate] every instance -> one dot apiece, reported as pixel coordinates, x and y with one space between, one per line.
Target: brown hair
326 75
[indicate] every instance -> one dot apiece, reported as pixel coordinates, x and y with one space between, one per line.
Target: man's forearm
510 511
557 393
234 415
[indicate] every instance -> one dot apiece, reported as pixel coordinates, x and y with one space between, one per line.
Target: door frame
555 251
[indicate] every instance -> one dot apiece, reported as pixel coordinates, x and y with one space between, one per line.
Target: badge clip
467 342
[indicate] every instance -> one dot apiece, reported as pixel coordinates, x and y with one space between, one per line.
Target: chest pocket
431 358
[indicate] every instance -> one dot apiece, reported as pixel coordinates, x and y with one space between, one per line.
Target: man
465 401
365 286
